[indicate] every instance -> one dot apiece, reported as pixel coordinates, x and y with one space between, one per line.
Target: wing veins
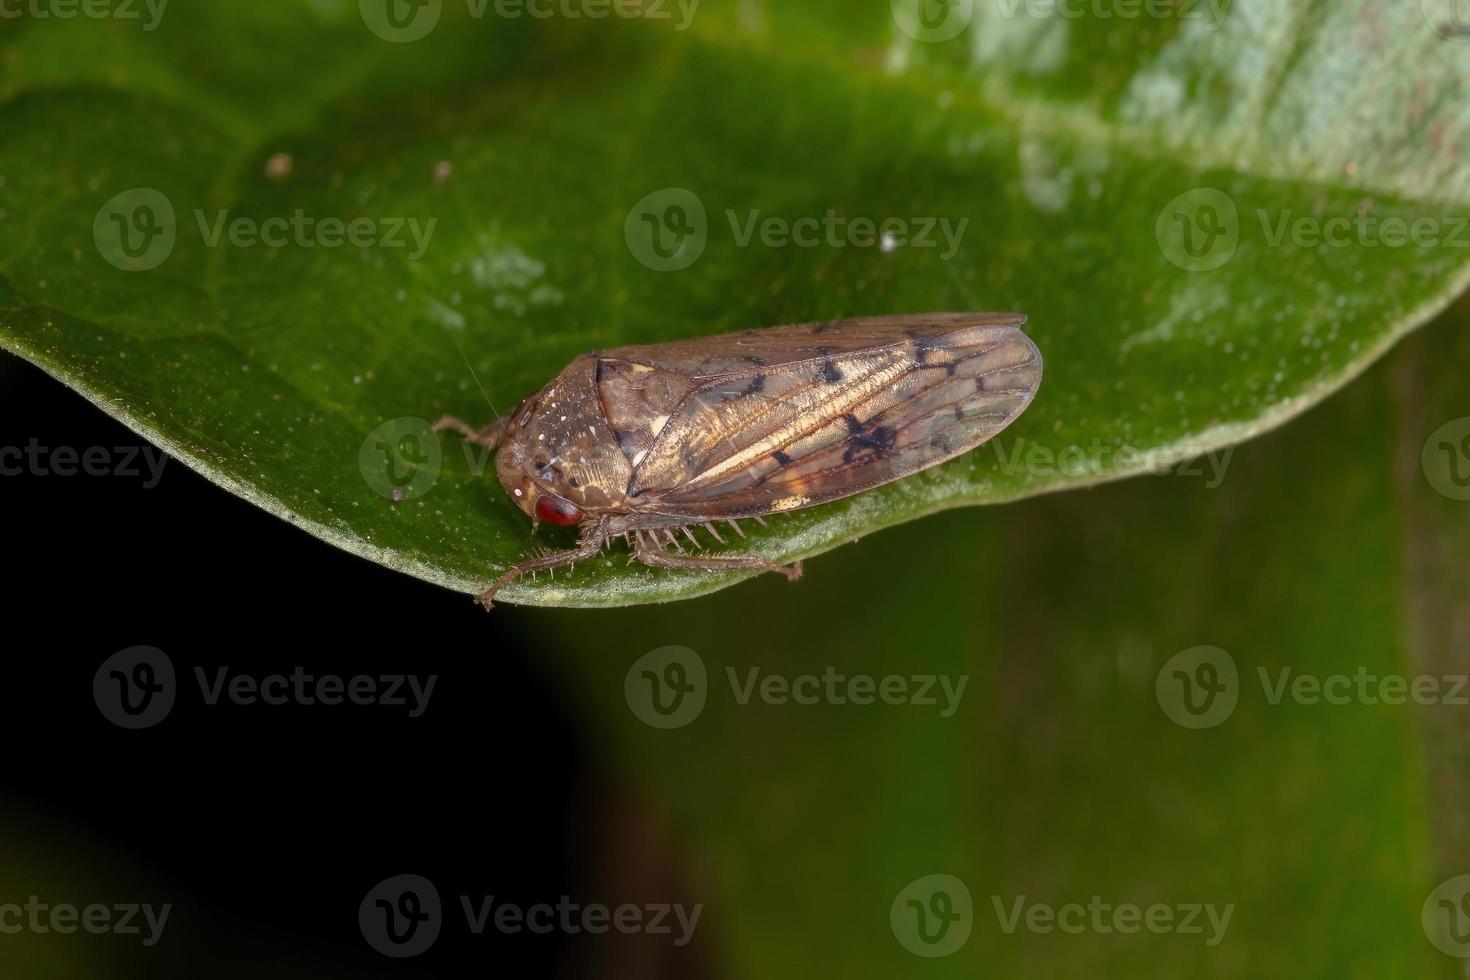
717 470
849 467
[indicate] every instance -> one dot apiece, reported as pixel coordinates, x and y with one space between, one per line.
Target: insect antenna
471 367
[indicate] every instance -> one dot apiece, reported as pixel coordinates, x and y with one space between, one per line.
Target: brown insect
648 442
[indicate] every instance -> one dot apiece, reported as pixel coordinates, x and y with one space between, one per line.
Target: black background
264 825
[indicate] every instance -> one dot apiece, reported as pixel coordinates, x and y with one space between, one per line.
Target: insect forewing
771 420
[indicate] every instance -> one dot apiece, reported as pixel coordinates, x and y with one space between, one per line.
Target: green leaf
1086 157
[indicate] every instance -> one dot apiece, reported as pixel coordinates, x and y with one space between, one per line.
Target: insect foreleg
488 436
655 557
588 547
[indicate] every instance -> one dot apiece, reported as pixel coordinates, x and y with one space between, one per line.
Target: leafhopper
651 443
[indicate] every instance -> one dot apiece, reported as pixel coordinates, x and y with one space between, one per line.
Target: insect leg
488 436
656 558
555 559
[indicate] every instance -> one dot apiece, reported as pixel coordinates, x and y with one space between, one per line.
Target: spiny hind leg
541 563
487 436
654 556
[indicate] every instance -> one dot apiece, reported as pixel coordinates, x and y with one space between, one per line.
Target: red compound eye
555 510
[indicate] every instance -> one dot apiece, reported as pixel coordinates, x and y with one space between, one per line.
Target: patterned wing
776 419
